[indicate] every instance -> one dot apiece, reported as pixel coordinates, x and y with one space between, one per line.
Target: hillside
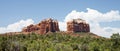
80 34
59 41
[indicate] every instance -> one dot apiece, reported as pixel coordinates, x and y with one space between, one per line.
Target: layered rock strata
78 25
47 25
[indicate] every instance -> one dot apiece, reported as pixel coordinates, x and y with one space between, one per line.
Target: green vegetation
58 42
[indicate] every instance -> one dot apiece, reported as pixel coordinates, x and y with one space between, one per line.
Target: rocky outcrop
47 25
50 25
77 25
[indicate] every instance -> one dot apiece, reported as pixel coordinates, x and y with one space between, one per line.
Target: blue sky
37 9
12 11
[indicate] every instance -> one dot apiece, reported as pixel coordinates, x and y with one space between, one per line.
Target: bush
58 42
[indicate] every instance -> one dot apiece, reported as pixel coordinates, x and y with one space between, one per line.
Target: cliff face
50 25
77 25
47 25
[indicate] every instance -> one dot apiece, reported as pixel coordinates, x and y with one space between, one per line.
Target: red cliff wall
47 25
77 25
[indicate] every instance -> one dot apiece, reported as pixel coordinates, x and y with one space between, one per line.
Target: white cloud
16 27
94 17
62 26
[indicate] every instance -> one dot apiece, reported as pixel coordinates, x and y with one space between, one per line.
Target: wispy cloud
16 27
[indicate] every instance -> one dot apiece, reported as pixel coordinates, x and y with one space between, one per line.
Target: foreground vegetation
58 42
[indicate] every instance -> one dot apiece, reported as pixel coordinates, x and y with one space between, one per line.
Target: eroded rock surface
47 25
78 25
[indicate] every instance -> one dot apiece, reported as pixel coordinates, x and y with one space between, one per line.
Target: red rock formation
47 25
77 25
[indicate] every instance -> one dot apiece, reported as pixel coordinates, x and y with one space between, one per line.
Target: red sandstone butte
47 25
78 25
